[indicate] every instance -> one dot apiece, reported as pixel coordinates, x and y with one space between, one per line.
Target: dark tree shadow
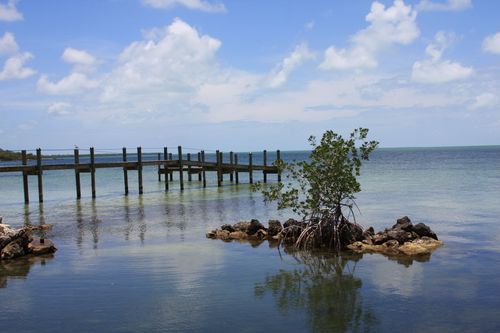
326 288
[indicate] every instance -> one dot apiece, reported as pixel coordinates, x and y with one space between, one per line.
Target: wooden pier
166 166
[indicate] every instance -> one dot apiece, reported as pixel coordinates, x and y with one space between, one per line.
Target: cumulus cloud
492 43
190 4
280 74
78 57
59 109
449 5
8 44
72 84
14 69
9 12
387 26
484 101
436 70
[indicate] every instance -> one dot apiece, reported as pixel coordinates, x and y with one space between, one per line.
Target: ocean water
143 264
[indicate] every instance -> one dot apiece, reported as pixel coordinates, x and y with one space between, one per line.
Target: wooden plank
92 171
250 168
139 169
76 154
236 175
189 167
181 171
25 178
39 174
165 157
125 171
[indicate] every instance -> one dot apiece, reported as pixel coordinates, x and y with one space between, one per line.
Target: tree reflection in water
326 288
19 268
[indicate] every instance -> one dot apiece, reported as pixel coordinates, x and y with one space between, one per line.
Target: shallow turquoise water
142 263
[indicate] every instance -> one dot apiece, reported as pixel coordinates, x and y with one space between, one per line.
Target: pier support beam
264 172
236 174
139 169
25 178
92 171
165 168
250 168
278 164
125 171
181 171
76 154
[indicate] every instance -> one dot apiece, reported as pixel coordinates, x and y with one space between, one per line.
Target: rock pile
16 243
403 238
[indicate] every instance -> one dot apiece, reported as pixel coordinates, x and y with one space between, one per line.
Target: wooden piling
264 173
221 161
278 163
250 168
170 174
204 176
92 171
25 178
165 157
139 169
189 167
236 175
159 168
181 171
199 161
39 174
231 161
219 171
125 171
76 153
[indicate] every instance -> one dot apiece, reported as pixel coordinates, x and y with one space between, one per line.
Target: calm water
143 264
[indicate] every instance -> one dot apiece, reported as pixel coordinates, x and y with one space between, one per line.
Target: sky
247 75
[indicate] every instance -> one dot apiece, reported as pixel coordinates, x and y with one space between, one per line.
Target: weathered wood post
76 153
139 169
250 168
125 171
278 164
231 162
181 172
39 174
199 162
204 176
264 172
165 168
170 174
159 167
25 178
236 174
92 171
219 171
189 167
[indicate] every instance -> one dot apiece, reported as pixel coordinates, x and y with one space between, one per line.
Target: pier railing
165 164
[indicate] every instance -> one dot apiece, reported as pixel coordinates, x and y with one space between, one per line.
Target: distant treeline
9 155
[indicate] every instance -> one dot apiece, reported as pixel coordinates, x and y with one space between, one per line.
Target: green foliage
8 155
328 180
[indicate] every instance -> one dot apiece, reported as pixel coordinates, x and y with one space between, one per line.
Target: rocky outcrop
403 238
15 243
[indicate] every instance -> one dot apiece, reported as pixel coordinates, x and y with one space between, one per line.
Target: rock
12 250
391 245
222 234
211 234
249 227
238 235
380 238
424 245
38 248
400 235
368 233
403 223
350 232
228 227
424 231
274 228
290 234
294 222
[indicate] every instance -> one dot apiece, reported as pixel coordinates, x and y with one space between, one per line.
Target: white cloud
448 5
72 84
492 43
388 26
280 74
310 25
78 57
436 70
190 4
8 44
484 101
14 69
9 12
29 125
59 108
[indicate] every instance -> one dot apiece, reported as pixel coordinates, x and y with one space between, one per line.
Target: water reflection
326 288
20 268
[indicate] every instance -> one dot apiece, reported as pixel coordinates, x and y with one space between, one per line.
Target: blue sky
245 75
